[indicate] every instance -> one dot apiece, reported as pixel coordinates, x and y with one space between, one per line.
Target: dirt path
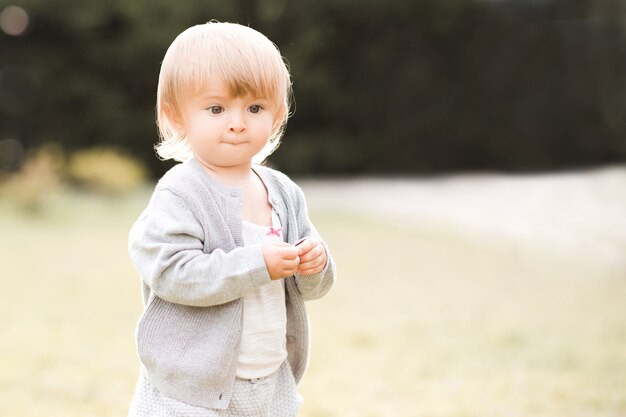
577 214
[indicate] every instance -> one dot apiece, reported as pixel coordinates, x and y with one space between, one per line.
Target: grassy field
420 323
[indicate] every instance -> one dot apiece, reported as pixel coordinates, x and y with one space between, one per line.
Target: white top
263 339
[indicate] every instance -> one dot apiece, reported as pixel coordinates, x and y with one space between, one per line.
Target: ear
173 116
280 117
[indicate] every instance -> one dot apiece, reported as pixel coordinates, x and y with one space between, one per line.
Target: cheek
195 129
200 126
271 124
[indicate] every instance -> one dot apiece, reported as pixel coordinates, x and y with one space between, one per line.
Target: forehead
215 88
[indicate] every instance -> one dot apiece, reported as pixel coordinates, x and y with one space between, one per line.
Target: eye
255 108
216 109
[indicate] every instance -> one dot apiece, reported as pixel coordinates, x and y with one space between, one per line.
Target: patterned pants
271 396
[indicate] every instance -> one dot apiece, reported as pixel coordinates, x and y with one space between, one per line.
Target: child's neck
231 176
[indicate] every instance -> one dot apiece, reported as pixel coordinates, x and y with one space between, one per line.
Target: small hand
281 259
312 256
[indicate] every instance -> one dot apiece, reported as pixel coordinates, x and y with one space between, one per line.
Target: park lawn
421 322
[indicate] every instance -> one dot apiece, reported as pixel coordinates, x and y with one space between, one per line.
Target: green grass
420 323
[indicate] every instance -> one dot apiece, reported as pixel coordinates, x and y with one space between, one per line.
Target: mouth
234 141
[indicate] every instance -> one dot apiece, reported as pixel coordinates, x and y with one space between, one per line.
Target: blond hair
240 58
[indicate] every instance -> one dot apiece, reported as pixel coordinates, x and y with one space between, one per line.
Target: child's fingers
292 264
289 252
289 266
312 257
312 266
314 252
283 250
305 245
279 245
281 259
284 268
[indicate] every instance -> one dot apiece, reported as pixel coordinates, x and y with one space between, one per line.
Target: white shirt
263 340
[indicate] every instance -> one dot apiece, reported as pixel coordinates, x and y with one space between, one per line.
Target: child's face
225 131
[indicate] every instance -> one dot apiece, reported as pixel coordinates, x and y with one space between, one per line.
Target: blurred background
464 159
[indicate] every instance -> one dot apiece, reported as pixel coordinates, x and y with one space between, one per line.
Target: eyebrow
221 97
213 97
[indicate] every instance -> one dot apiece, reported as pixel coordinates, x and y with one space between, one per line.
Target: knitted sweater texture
188 248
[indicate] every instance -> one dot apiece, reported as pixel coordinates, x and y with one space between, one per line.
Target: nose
236 123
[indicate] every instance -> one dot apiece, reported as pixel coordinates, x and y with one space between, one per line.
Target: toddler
225 249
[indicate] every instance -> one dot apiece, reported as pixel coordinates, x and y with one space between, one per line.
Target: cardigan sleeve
315 286
166 246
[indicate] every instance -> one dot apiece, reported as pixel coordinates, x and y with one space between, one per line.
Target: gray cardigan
188 248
